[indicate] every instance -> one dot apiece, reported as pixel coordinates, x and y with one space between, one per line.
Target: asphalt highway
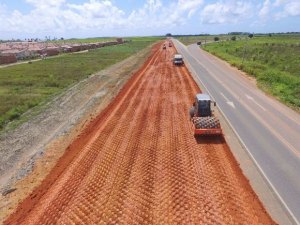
268 130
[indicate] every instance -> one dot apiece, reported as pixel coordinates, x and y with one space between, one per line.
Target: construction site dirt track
139 163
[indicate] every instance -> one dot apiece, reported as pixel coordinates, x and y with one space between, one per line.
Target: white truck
178 60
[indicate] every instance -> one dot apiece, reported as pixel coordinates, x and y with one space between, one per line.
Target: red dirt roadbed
139 163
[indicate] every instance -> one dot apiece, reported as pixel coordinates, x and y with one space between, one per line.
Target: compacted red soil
138 162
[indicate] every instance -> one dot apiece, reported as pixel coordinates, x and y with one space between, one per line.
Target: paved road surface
269 130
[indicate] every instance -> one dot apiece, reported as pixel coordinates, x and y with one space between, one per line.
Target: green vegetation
273 60
102 39
84 40
187 40
24 86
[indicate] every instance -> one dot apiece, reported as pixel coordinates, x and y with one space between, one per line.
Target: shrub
52 83
2 122
216 38
32 104
14 114
240 66
233 38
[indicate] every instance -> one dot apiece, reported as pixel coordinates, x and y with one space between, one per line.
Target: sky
99 18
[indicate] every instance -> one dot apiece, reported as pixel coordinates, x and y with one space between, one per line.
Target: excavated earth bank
139 163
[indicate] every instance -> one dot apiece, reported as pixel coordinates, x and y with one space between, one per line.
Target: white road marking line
252 99
228 101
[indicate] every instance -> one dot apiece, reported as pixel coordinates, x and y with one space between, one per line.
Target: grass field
187 40
27 85
103 39
274 62
84 40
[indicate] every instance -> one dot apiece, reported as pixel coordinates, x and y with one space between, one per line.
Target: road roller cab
204 122
202 105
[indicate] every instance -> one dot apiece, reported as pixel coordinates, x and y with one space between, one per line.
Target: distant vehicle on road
178 60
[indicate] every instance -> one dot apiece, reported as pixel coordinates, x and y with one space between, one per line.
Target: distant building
51 51
12 51
99 45
93 45
36 50
6 58
66 48
76 48
85 47
120 40
109 43
4 47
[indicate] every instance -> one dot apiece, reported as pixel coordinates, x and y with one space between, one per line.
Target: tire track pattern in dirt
139 163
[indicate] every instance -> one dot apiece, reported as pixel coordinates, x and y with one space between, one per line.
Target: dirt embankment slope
39 143
139 163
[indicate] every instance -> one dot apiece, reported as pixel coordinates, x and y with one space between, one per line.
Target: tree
168 34
233 38
216 38
250 35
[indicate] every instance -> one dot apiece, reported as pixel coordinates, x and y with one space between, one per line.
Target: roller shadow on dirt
210 139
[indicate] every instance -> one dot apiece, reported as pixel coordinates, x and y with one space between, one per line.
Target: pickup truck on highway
178 60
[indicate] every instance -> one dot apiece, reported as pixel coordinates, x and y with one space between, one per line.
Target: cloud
226 12
264 11
149 13
96 9
45 3
189 6
60 17
279 2
290 8
53 17
154 14
153 5
104 17
93 14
